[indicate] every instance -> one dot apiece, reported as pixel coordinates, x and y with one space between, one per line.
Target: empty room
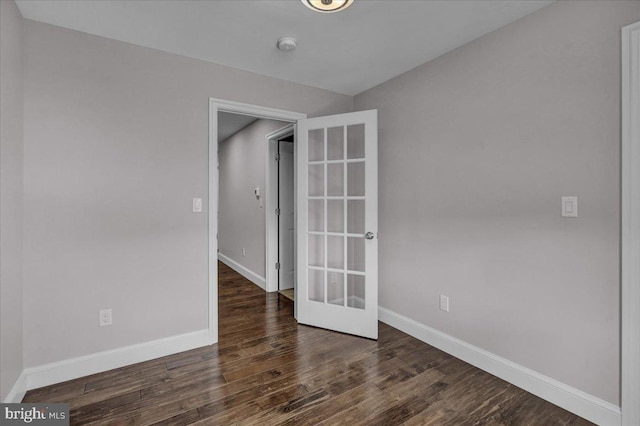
320 212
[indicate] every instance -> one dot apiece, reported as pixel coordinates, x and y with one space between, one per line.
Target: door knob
369 235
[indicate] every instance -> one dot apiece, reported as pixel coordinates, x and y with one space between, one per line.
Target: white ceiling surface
346 52
230 124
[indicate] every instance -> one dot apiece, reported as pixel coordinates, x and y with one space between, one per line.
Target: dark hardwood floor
268 370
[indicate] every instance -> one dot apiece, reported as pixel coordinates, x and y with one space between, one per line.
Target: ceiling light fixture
327 6
286 43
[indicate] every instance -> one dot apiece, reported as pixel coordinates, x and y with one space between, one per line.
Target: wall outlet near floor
244 252
105 317
444 303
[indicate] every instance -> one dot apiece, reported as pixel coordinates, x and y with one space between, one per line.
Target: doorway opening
243 191
250 181
256 188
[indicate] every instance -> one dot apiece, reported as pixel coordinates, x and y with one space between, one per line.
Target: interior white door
286 216
337 222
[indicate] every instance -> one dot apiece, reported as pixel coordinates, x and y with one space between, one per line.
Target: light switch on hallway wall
569 206
197 205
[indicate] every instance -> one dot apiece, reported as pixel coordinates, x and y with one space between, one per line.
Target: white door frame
630 262
215 106
271 179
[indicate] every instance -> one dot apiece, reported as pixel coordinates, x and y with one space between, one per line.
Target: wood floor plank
327 408
267 370
102 409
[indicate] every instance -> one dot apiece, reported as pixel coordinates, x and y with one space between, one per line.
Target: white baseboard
576 401
18 390
587 406
69 369
247 273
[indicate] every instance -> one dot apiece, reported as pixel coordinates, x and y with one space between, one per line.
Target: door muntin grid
336 209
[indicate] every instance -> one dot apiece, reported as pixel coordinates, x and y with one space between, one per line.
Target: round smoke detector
286 44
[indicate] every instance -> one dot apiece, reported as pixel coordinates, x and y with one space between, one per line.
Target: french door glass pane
316 180
335 215
335 143
316 145
335 288
316 285
335 180
316 250
355 179
335 252
355 217
355 141
316 215
355 291
355 254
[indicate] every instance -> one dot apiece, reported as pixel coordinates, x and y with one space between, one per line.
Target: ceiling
346 52
229 124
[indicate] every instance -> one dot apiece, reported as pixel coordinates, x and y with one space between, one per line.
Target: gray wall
11 149
115 149
241 222
476 149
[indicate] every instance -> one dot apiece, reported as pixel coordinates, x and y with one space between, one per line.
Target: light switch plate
444 303
569 206
197 205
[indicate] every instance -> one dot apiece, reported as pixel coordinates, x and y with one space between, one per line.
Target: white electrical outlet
244 253
444 303
105 317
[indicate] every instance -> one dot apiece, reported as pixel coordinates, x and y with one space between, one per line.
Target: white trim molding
571 399
74 368
630 240
18 390
242 270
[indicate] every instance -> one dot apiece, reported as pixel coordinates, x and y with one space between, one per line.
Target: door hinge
277 266
277 212
277 157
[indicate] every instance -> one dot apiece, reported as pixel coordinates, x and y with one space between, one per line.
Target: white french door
337 222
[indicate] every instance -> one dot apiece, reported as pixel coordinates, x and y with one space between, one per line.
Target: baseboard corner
18 390
244 271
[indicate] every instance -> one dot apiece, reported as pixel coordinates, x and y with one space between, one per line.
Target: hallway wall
241 224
